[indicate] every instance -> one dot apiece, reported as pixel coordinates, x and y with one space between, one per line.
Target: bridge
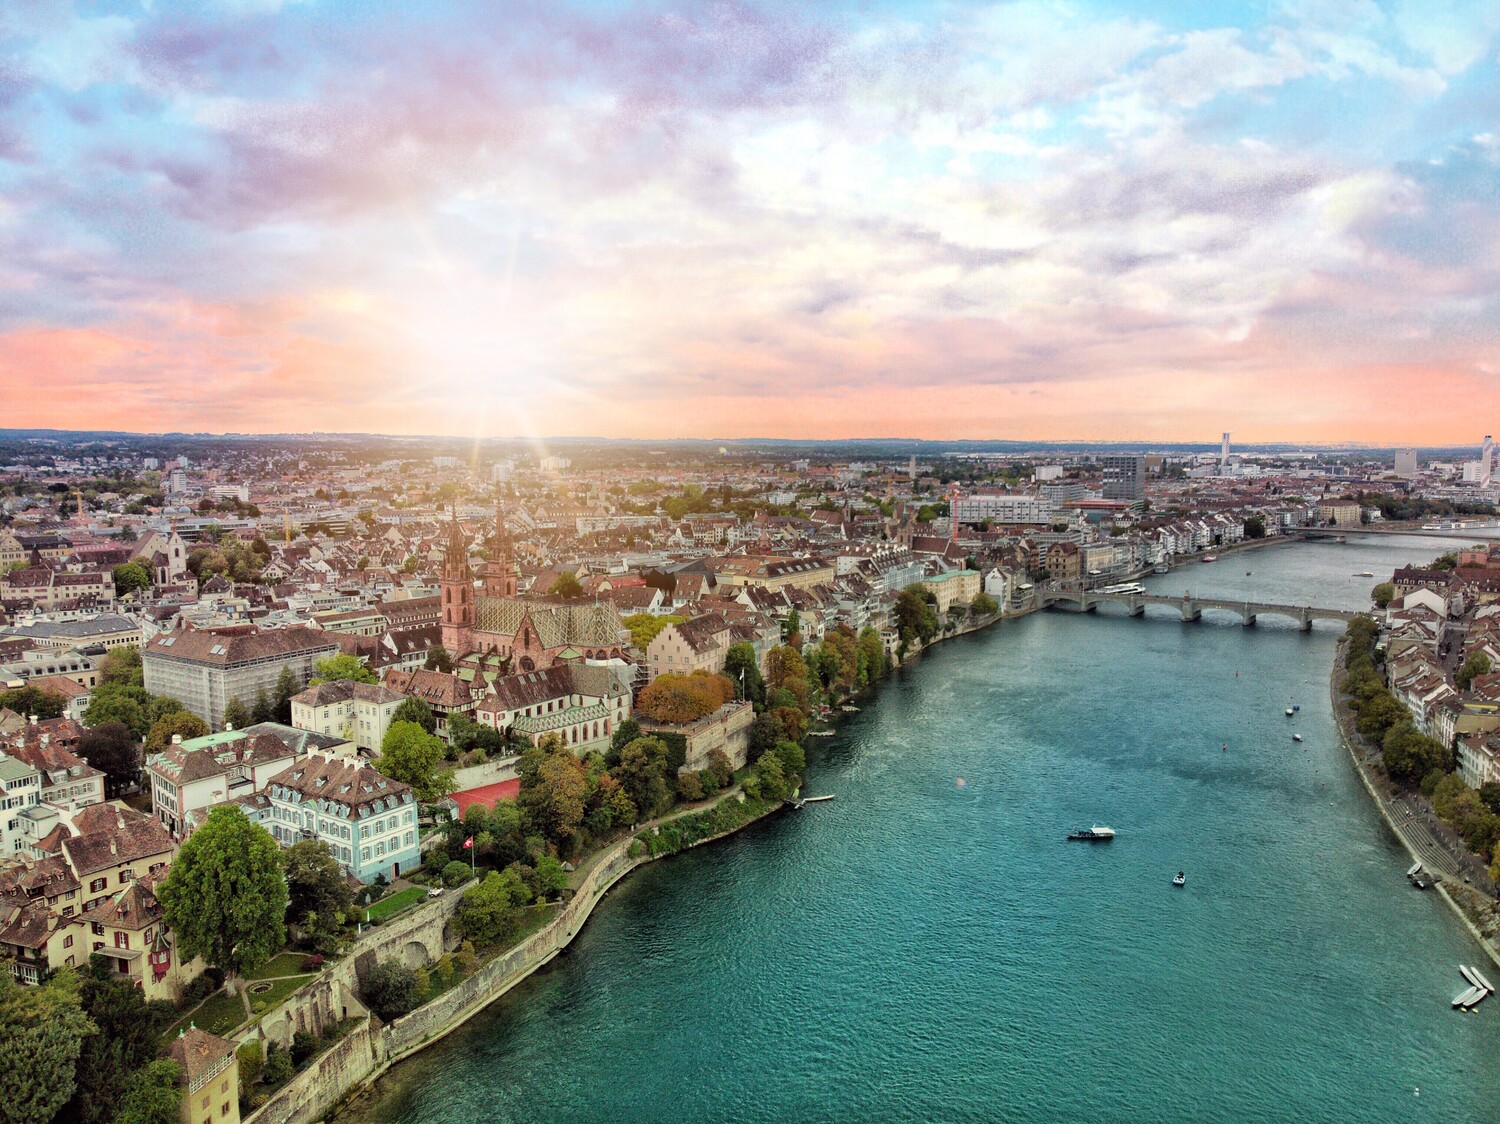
1191 607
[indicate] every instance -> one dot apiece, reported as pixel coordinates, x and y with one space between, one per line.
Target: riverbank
430 1024
1472 908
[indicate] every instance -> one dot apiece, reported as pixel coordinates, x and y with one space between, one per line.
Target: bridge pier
1191 612
1135 608
1247 617
1305 621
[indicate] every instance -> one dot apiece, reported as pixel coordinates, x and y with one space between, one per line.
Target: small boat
847 709
1209 558
1095 834
1180 880
1296 737
1290 712
1161 568
1365 574
1468 998
1247 573
820 733
816 799
1480 980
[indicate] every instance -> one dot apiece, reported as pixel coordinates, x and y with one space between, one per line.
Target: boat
1414 870
1481 981
1296 737
1180 880
820 733
1161 568
847 709
1296 706
1290 712
816 799
1468 974
1095 834
1468 998
1247 573
1209 558
1365 574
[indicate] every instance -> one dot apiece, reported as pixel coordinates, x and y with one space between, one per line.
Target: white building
357 712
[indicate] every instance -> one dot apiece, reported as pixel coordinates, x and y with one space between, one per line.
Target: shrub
313 963
278 1068
709 780
252 1060
202 986
304 1046
465 960
456 874
689 787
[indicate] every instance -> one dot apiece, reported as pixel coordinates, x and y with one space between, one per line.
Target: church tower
457 586
499 566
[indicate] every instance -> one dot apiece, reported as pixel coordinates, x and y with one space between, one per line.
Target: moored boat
1095 834
1296 737
1209 558
1180 879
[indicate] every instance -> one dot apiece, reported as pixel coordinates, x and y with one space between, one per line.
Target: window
98 884
126 876
98 929
122 940
68 941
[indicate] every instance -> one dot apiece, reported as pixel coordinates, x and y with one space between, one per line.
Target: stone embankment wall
313 1092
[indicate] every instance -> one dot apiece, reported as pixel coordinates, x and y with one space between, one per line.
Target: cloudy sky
1148 220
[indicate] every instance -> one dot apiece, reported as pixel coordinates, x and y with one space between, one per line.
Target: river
921 949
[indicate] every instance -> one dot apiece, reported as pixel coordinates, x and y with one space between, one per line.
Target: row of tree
1406 754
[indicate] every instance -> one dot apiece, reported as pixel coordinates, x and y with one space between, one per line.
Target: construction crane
953 512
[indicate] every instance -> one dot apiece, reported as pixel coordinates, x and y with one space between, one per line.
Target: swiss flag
469 842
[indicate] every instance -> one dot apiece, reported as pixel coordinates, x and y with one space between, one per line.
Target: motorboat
1095 834
1180 879
1209 558
1365 574
1290 712
1296 737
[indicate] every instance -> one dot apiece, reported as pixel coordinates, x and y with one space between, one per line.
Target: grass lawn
263 1001
283 964
394 904
219 1014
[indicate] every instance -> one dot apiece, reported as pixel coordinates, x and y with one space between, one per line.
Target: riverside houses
207 669
202 772
368 821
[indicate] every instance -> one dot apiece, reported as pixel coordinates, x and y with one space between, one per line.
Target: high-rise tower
457 585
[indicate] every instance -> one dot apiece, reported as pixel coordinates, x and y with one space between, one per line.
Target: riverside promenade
1427 839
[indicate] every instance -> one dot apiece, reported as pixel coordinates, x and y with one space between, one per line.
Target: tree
114 706
916 620
112 749
642 773
553 791
411 755
287 685
411 565
417 711
184 724
1475 664
791 629
343 666
768 781
1255 527
873 662
671 697
45 1026
27 701
152 1095
1383 594
236 714
126 1037
225 896
131 577
742 669
392 989
264 709
438 659
488 914
626 731
567 586
984 605
122 668
318 896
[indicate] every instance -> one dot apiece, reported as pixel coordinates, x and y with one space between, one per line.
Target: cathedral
494 632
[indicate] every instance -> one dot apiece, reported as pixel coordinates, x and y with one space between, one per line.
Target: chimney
33 719
176 739
229 727
114 847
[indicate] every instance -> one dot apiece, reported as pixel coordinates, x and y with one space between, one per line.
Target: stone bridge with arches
1189 606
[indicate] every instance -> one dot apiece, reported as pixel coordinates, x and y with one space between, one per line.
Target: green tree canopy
131 577
392 989
1383 594
183 723
126 1037
984 605
417 711
318 895
439 659
742 669
488 914
152 1095
567 586
41 1031
225 896
1475 664
553 792
642 773
644 628
343 666
410 754
236 714
113 750
287 685
27 701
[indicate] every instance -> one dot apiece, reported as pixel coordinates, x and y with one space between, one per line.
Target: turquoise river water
919 950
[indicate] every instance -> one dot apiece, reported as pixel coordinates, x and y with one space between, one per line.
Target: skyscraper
1125 476
1224 451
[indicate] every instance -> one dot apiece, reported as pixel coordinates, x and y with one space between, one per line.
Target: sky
1103 221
